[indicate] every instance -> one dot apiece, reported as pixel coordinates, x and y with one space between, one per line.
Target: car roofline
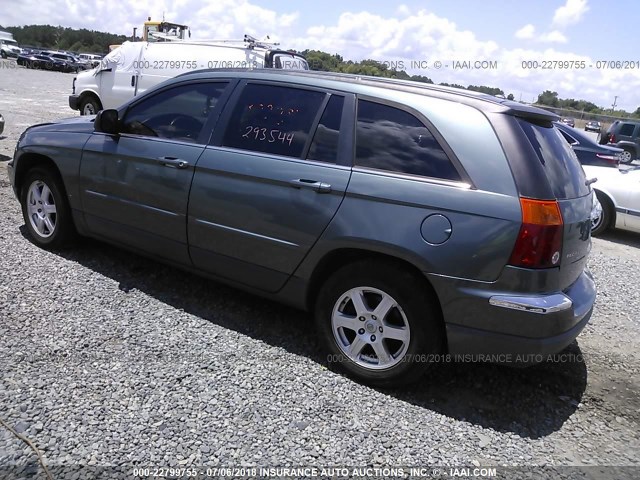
410 86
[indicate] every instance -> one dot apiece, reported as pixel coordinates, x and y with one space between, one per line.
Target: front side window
177 113
273 119
391 139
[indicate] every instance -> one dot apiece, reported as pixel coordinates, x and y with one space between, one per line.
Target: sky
441 39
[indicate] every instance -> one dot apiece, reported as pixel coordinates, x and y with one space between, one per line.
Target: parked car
92 58
624 134
618 192
44 62
592 126
569 121
75 64
588 151
364 200
134 67
1 124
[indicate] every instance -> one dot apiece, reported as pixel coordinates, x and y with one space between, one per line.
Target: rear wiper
590 181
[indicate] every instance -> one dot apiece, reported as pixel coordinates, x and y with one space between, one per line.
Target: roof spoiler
529 112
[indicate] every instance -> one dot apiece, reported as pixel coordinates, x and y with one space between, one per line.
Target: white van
134 67
8 46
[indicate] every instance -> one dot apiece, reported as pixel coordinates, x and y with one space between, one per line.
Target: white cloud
526 32
422 35
570 13
552 37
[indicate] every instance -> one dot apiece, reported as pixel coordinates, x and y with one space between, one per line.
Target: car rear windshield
560 163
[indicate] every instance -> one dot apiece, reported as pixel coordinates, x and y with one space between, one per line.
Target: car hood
81 124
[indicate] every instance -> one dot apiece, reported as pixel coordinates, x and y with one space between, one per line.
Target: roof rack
248 41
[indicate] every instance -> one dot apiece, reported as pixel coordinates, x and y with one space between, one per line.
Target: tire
602 224
45 209
627 156
359 343
89 106
3 54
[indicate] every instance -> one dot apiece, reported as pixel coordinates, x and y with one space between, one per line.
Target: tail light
612 138
612 159
539 242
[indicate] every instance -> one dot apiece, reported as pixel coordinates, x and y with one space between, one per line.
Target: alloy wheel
370 328
41 207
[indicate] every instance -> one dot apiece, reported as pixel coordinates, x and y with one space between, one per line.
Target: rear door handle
315 185
173 162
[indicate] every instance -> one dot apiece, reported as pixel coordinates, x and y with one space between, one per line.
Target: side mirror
107 122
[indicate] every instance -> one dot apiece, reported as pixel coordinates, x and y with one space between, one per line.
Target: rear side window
568 138
273 119
324 147
560 163
391 139
627 129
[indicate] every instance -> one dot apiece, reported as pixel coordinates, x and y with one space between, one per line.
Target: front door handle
173 162
315 185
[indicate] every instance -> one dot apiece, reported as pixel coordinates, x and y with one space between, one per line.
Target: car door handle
173 162
315 185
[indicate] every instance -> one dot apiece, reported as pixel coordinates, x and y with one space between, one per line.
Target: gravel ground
111 360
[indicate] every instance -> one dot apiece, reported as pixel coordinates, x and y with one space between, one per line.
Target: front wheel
45 209
89 106
379 322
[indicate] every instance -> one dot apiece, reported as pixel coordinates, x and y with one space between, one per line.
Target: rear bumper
74 102
514 327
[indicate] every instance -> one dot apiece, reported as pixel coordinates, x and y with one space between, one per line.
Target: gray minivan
416 222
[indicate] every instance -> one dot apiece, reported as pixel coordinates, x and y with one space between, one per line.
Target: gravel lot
108 359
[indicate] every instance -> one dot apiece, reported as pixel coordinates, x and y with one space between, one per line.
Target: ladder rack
247 41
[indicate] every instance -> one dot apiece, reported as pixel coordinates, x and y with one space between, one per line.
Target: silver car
418 223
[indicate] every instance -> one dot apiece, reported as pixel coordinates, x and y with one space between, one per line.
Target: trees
60 38
485 89
548 98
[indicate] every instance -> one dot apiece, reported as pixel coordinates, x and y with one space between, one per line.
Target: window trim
448 151
210 122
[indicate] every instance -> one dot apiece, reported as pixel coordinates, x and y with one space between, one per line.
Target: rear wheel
379 323
601 218
45 209
626 156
